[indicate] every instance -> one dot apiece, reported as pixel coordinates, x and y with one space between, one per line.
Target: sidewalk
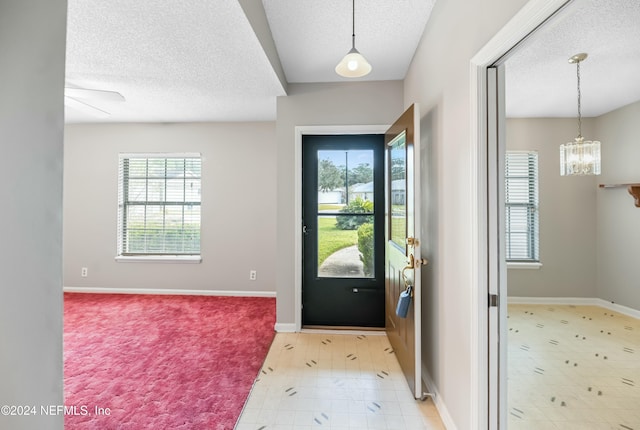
344 263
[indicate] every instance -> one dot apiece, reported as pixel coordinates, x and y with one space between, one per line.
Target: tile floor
334 381
572 367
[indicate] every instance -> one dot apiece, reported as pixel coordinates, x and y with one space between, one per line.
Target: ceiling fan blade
84 107
91 94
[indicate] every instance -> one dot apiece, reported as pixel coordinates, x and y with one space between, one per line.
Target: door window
398 189
345 214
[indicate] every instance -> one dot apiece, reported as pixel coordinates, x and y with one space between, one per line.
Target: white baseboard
285 327
437 400
348 332
158 291
625 310
576 301
552 300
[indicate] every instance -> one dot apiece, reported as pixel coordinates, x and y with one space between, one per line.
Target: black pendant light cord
353 24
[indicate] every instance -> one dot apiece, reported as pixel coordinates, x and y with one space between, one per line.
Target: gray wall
618 235
589 240
32 44
238 206
439 80
567 215
359 103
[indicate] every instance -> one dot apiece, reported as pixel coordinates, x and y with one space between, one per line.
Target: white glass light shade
353 65
580 158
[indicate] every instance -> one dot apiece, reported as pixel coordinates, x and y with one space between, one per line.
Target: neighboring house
363 191
398 191
335 197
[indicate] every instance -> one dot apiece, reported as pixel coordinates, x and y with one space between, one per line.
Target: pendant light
580 157
353 65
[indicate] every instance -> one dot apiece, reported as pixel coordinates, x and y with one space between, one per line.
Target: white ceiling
203 60
228 60
540 82
312 36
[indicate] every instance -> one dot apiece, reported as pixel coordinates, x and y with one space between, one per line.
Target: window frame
171 255
532 259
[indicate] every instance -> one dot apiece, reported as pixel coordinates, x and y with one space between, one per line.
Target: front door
402 240
343 230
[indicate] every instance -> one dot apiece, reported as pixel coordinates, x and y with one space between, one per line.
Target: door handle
412 264
409 266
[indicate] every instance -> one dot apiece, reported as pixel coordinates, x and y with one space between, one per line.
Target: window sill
530 266
186 259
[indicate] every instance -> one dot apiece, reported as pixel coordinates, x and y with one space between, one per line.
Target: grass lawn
331 239
329 207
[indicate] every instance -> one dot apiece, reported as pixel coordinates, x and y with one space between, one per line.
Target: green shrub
352 222
365 246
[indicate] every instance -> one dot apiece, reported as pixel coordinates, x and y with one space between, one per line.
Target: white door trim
297 225
534 14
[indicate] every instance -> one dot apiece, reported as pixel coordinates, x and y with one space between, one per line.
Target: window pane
175 190
156 189
331 180
135 216
345 181
137 167
135 240
340 255
398 165
156 167
192 190
137 191
193 167
359 181
175 168
521 205
153 215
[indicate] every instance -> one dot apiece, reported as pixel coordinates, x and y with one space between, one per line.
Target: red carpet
161 362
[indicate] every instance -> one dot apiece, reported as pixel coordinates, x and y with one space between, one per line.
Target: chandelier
580 157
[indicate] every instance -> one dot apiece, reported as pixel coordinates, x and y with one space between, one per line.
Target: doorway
343 230
487 87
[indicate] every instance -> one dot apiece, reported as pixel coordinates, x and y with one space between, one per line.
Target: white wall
238 206
618 219
567 213
439 79
359 103
32 45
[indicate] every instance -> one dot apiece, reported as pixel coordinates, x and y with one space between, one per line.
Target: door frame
297 225
488 324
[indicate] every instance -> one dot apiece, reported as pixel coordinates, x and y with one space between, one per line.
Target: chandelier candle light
580 157
353 65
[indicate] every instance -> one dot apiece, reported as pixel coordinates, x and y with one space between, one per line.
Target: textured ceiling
195 60
203 60
228 60
540 82
312 36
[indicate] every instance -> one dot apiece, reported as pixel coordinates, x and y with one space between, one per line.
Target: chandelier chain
579 104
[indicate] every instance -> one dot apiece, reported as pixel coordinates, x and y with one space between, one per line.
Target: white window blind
521 203
159 204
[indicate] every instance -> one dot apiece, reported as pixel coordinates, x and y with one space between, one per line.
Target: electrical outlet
85 272
253 275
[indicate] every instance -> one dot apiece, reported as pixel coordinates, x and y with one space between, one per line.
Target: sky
354 157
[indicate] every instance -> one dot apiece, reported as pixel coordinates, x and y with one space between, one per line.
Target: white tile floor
572 367
334 381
